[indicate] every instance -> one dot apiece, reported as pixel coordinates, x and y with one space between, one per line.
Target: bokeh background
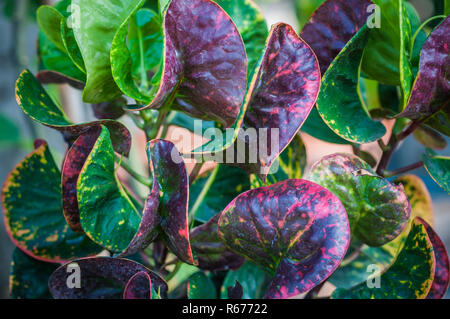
18 51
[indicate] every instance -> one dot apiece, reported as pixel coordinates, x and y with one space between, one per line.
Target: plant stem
403 169
138 177
203 193
174 272
195 171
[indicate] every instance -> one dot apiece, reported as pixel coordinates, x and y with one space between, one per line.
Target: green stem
203 193
174 272
413 39
138 177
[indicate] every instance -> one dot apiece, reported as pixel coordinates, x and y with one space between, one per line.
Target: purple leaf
170 175
431 91
100 278
332 25
73 163
235 292
212 254
139 287
205 65
296 229
53 77
280 96
441 274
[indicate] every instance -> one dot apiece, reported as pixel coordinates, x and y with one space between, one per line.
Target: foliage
254 225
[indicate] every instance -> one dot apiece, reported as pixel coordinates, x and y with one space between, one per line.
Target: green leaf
131 62
304 10
409 277
200 286
339 103
252 26
185 121
438 167
94 31
29 277
354 271
430 138
33 210
54 59
71 46
253 278
37 104
49 20
385 56
107 214
378 210
316 127
421 37
227 183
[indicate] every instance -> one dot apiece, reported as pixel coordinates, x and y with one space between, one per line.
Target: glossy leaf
55 77
429 138
101 278
378 210
212 254
29 277
107 214
253 279
438 167
132 60
53 59
418 196
252 26
316 127
71 45
332 25
440 121
170 175
201 286
185 121
227 183
355 271
139 287
339 103
385 57
49 20
31 197
409 277
94 31
441 274
190 79
431 89
109 110
279 227
36 103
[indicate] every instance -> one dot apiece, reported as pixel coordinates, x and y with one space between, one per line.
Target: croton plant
238 230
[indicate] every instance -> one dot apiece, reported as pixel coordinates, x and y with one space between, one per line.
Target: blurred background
18 51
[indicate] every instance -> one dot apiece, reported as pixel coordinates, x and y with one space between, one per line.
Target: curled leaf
100 278
139 287
212 254
378 210
31 195
54 77
37 104
431 89
441 273
339 103
170 175
332 25
203 51
409 277
295 229
430 138
94 31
